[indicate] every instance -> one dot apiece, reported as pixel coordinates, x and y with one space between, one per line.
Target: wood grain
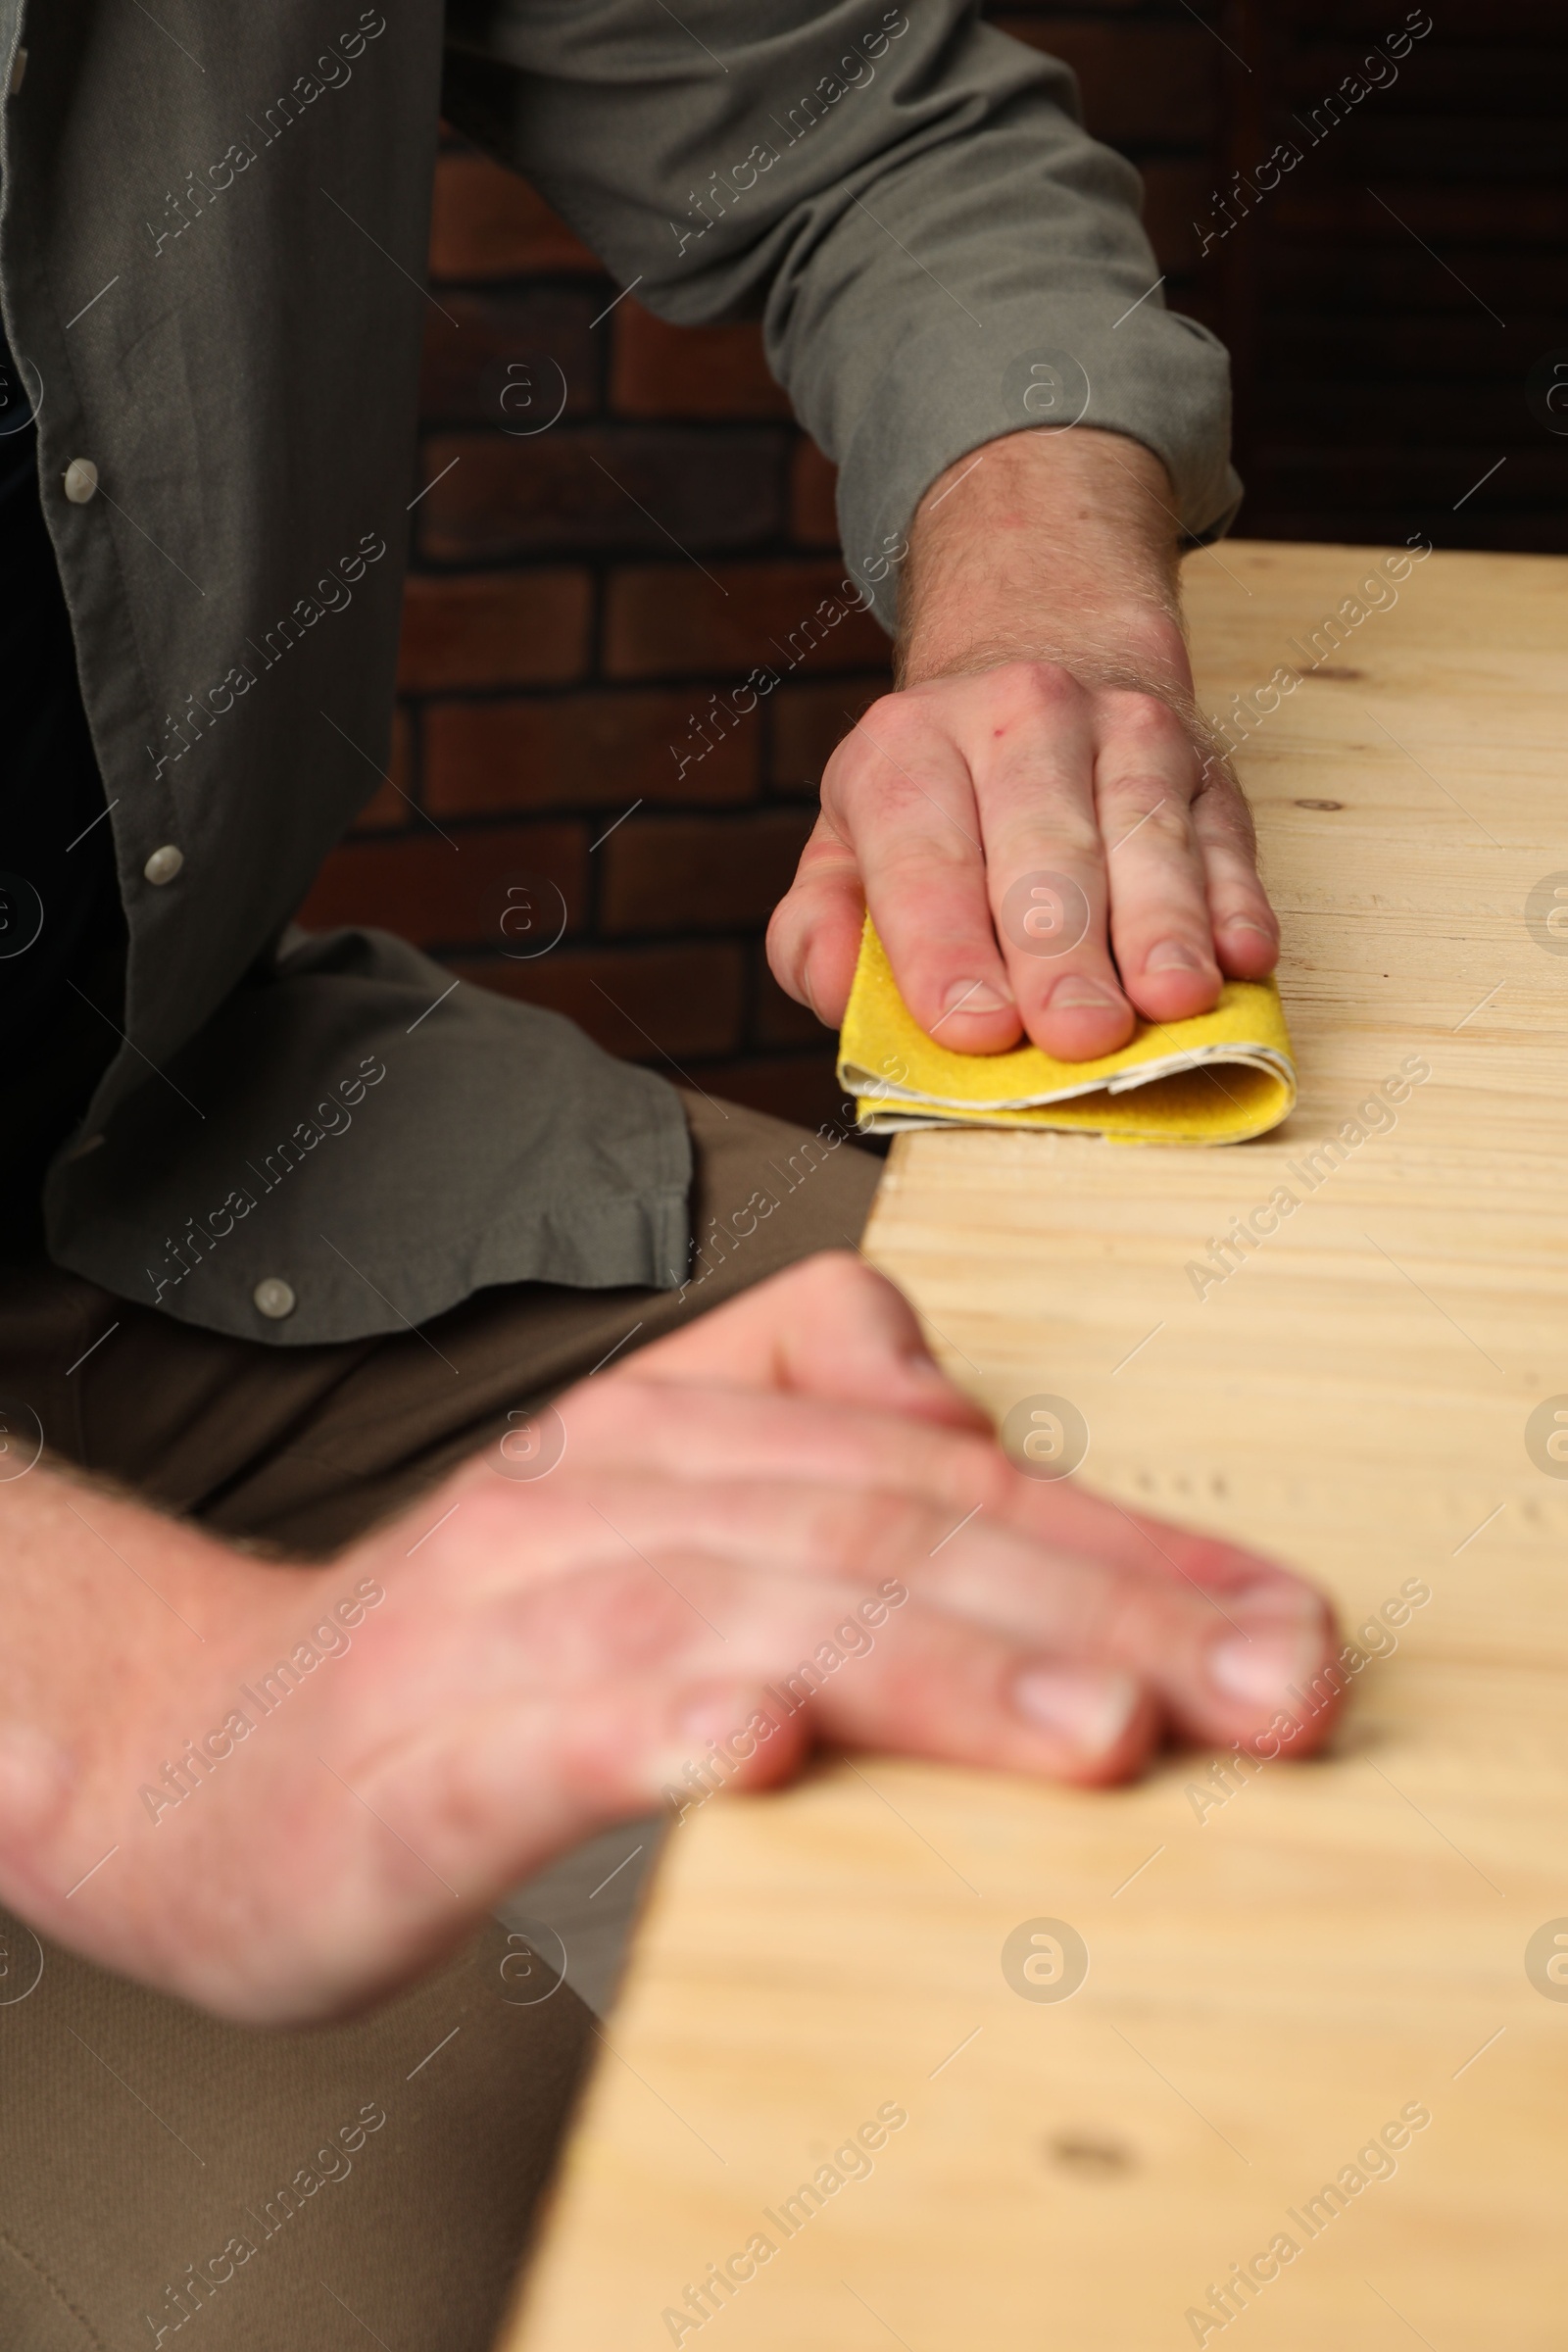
1276 1972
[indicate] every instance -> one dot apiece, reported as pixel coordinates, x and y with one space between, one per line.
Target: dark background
1385 308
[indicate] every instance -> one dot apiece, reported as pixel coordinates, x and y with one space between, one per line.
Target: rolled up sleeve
937 251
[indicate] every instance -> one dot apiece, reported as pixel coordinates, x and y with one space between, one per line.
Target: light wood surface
1272 1982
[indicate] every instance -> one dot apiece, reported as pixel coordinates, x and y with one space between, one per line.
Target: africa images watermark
853 1638
724 714
1229 1775
181 1779
333 593
1377 592
1378 71
854 71
1373 2162
330 1118
1228 1253
185 2300
851 2162
183 209
717 1246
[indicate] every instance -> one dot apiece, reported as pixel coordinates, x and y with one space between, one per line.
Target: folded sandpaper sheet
1220 1078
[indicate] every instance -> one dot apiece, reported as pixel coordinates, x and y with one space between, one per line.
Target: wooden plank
1280 1963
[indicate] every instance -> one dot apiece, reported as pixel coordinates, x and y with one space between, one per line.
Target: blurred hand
533 1659
1047 842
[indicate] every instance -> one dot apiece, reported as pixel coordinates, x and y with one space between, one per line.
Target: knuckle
842 771
789 928
1148 720
890 707
885 730
862 752
1042 686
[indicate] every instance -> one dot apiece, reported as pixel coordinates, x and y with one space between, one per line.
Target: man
302 1239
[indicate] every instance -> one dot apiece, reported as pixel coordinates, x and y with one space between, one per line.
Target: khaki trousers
371 2182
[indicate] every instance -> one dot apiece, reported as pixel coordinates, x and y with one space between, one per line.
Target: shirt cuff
1149 373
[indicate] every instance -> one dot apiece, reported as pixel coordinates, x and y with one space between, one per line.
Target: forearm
1053 546
113 1615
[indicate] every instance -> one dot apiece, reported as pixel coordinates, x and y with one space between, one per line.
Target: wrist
128 1637
1047 546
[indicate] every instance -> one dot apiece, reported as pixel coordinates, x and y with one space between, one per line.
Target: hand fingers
699 1711
1081 819
1027 731
1062 1511
898 788
726 1609
1145 775
690 1431
589 1735
791 1472
492 1799
1248 1585
814 936
961 1693
830 1327
798 1484
693 1433
1112 1659
716 1432
1222 1663
1246 928
1221 1666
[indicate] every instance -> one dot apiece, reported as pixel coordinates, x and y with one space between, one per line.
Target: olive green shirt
212 257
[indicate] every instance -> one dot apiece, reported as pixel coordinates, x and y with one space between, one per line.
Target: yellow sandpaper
1217 1079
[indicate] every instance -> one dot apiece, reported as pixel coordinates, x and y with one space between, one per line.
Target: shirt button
164 863
274 1299
82 481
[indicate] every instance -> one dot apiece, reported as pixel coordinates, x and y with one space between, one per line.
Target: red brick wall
1390 302
578 594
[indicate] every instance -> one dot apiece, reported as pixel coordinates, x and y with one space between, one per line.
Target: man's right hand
550 1653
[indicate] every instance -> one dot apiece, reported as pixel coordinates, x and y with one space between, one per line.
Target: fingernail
1244 922
1090 1710
1259 1667
1076 988
975 996
1171 957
